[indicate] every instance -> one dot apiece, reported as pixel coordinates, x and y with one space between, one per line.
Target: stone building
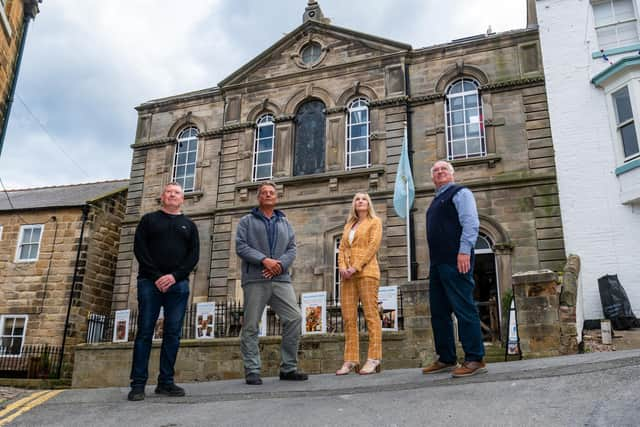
15 16
53 240
322 112
592 66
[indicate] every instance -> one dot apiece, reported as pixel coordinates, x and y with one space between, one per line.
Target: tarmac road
597 389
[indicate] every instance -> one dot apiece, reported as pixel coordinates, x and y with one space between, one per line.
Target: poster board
205 320
388 307
158 329
121 326
313 306
513 342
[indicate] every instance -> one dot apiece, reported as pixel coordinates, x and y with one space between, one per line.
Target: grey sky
87 63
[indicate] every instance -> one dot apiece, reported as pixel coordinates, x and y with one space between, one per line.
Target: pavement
595 389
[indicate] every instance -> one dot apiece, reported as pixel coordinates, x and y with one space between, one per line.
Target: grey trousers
282 299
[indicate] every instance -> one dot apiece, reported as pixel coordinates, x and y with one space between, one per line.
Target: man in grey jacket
266 244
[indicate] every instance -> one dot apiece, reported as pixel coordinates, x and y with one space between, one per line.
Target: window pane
18 329
359 116
607 37
602 13
469 86
265 131
627 33
190 170
457 118
459 149
359 159
457 132
456 87
455 103
26 235
188 184
623 10
471 101
8 326
358 130
265 144
264 158
629 140
182 159
473 146
263 172
359 144
193 145
180 171
24 252
191 157
35 235
482 243
33 251
473 131
472 115
622 104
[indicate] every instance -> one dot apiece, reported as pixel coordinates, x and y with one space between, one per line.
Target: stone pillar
417 320
568 329
537 295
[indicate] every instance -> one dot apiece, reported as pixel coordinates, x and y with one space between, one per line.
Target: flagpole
406 186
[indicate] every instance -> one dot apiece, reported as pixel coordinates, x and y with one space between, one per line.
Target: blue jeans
452 292
150 299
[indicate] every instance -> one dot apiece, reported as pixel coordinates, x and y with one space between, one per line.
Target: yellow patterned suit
363 285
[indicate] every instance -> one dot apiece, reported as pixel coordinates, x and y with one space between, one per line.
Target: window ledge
490 160
633 164
616 51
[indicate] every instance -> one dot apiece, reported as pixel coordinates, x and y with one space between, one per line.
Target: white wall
597 226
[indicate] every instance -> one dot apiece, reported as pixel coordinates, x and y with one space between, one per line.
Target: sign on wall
388 307
205 320
121 326
314 312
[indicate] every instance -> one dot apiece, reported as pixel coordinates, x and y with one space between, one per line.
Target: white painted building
591 55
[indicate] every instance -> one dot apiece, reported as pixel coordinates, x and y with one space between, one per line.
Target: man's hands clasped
165 282
272 268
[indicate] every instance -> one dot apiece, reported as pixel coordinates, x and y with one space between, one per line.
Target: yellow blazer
361 253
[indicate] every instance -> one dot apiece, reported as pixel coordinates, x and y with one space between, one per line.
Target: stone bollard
537 295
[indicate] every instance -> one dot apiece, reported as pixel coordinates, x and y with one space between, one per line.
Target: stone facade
13 18
514 183
40 289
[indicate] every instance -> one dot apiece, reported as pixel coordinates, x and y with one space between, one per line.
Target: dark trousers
150 299
452 292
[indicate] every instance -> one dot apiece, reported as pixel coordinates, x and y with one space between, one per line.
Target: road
597 389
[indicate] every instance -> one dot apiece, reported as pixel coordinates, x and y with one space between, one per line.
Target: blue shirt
467 215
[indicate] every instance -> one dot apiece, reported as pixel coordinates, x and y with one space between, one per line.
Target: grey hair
449 166
265 184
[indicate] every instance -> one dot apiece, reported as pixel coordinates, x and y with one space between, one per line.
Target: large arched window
465 123
358 152
309 150
184 164
263 148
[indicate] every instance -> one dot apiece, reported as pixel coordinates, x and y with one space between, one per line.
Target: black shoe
293 376
136 394
169 390
253 379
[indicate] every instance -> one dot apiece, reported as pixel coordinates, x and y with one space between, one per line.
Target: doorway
486 292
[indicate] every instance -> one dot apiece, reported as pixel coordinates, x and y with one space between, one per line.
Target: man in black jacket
167 248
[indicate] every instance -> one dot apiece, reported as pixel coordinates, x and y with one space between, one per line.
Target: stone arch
496 232
184 121
460 70
306 94
355 91
265 107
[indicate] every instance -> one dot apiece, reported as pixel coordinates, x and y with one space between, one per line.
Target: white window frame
263 122
336 270
448 113
615 23
13 317
185 136
358 104
21 242
618 126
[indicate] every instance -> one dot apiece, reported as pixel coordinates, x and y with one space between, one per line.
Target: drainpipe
85 216
29 14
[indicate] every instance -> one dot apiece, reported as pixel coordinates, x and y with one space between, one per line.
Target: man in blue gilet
452 230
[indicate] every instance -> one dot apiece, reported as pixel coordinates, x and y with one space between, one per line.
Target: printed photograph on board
388 307
205 315
314 312
121 326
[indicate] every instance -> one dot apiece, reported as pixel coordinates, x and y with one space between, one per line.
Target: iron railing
227 323
32 361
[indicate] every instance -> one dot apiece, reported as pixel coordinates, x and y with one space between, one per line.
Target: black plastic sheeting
615 303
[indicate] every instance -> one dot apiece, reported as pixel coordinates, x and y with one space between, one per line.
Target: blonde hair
353 215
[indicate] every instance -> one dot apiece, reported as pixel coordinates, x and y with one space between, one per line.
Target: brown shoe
439 366
469 368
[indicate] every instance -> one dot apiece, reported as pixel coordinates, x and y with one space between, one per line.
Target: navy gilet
444 228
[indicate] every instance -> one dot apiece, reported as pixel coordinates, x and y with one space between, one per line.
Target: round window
310 53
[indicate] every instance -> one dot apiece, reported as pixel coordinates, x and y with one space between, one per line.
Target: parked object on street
615 303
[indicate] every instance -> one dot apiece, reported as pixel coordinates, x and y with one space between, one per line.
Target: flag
404 191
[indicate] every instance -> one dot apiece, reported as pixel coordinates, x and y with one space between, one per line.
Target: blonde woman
360 279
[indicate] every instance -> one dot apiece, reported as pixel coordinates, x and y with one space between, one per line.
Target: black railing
227 323
33 361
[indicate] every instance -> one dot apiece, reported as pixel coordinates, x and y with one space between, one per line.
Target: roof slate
59 196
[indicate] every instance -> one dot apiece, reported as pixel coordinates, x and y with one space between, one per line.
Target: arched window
184 164
309 150
263 148
358 152
465 123
483 244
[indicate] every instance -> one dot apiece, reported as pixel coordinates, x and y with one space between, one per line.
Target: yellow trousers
366 290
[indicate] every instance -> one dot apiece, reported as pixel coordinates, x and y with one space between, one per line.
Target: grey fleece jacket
252 245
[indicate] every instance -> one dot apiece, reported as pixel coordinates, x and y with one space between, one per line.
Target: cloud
87 64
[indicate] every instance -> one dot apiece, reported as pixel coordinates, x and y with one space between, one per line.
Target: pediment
338 46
